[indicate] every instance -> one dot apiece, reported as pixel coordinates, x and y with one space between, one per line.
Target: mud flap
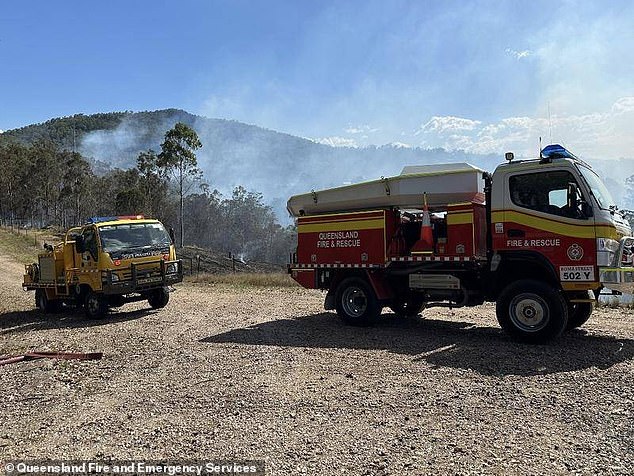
381 288
329 302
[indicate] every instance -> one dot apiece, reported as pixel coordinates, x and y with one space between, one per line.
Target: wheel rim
93 305
529 312
354 301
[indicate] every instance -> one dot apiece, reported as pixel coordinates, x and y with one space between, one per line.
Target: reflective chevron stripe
437 258
400 259
335 265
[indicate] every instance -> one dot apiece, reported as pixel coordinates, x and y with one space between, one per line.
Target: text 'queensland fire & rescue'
339 239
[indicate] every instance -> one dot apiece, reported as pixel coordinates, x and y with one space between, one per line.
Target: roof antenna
550 125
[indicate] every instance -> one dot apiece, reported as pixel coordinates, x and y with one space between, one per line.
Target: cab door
542 219
89 262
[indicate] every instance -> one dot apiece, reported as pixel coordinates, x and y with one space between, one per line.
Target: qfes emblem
575 252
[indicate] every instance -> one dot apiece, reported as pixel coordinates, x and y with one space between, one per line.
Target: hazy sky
484 76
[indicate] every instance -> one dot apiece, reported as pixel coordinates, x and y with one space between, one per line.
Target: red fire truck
540 238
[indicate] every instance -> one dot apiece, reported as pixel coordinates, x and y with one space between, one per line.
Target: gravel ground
231 372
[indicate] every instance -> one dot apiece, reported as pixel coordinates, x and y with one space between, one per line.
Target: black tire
95 305
116 301
159 298
409 306
356 302
45 304
578 314
532 311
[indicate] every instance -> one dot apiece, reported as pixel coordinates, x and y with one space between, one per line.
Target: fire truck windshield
598 188
134 236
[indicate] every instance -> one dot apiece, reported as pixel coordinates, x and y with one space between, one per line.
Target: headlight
607 244
606 251
171 268
114 277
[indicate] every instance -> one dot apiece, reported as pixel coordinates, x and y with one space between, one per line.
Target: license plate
149 280
576 273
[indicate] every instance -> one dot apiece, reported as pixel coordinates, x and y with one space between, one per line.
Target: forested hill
275 164
233 153
63 131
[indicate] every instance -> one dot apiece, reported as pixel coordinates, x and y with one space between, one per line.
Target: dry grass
21 245
279 280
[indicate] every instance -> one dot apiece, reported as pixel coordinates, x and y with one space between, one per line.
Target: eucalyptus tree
178 160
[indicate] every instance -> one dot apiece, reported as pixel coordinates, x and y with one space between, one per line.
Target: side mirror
572 197
80 246
172 235
576 204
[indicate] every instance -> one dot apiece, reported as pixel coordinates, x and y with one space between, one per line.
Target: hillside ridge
276 164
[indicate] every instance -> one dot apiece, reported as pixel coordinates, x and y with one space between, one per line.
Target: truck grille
143 276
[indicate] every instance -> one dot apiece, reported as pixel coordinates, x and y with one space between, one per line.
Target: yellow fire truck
106 263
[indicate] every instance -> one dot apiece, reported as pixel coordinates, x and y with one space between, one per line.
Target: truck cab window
545 192
133 237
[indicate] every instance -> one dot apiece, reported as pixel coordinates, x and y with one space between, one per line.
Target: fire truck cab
106 263
540 238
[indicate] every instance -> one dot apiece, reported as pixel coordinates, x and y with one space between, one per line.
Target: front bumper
619 276
142 277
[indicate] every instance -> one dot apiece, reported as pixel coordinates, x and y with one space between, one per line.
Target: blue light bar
556 151
94 220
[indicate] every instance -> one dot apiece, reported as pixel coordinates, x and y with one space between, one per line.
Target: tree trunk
77 209
182 226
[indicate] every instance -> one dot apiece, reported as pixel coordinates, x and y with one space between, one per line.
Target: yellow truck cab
106 263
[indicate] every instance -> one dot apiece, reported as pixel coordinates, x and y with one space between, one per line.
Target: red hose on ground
51 355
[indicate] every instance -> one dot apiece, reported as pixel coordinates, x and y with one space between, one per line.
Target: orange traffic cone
425 244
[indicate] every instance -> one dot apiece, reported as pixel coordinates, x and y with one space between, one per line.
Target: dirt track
265 374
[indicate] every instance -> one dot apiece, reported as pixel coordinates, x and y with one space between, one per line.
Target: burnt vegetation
46 183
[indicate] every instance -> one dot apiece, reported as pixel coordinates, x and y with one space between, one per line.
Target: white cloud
443 124
362 129
518 54
400 145
336 141
596 135
625 104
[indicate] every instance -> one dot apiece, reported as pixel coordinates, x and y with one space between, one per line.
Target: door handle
515 233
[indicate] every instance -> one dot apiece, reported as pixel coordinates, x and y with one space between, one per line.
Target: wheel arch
517 265
374 278
84 289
